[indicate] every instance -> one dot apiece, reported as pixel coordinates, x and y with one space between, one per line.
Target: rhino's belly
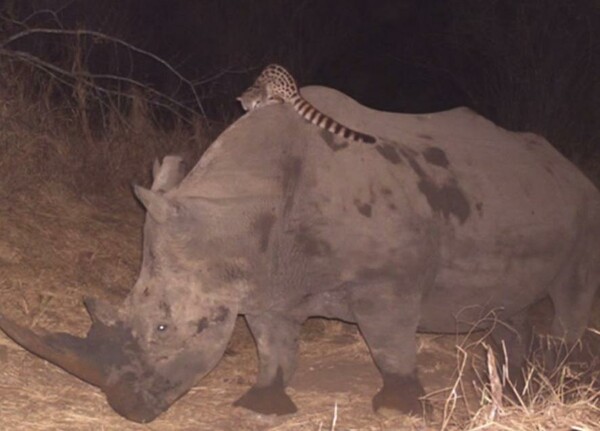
477 291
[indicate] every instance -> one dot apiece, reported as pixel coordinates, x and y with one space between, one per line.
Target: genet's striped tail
316 117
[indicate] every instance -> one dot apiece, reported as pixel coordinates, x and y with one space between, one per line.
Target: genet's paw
399 395
270 400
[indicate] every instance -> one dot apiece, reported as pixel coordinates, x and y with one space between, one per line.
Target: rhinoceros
444 219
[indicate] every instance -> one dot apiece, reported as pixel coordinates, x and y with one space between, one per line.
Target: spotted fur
276 85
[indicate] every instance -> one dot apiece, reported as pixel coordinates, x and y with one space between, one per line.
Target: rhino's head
171 330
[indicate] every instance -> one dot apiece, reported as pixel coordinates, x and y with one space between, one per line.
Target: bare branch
105 37
65 77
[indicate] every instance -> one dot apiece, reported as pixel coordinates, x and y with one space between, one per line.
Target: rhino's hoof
399 395
267 401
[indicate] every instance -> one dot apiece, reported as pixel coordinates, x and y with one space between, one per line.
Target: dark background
526 64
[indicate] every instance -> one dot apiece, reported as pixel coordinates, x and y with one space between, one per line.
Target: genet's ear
101 311
159 207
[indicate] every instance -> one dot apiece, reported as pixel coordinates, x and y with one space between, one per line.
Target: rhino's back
511 209
504 177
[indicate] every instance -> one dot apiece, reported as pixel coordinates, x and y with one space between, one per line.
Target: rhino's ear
168 174
101 311
159 207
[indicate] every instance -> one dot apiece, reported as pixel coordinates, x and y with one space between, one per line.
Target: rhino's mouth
138 406
97 359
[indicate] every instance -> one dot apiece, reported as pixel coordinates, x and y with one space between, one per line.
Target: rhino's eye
161 327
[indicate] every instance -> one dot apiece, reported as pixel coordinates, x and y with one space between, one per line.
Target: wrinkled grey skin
446 218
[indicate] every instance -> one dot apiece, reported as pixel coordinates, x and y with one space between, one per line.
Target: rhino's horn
75 355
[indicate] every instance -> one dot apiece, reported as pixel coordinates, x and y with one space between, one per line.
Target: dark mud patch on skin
387 194
410 156
292 169
364 209
201 325
436 156
446 200
389 153
329 139
311 245
221 314
384 272
263 226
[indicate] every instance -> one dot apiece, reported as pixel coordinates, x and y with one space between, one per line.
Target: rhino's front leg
277 342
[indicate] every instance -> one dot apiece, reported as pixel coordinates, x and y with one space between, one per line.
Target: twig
58 72
334 421
495 384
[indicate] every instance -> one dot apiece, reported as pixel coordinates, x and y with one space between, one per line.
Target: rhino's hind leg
399 394
277 343
572 305
388 323
573 297
516 335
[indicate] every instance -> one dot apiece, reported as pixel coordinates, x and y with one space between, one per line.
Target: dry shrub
565 397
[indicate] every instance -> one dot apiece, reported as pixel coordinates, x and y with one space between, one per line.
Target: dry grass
571 402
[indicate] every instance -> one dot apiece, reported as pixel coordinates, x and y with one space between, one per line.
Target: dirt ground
57 247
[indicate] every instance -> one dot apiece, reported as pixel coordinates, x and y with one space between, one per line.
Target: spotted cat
276 85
